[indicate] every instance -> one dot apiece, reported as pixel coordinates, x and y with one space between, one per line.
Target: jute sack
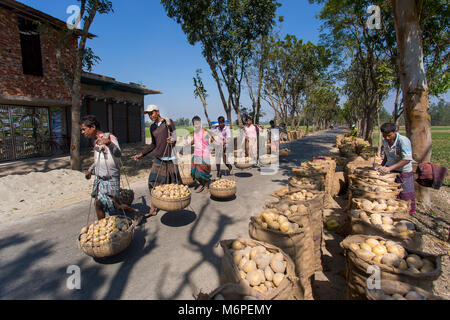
390 287
231 291
279 194
289 289
357 268
315 208
318 183
410 239
298 245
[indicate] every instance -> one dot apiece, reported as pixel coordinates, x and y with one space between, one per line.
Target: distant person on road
283 132
275 139
398 159
354 132
224 139
251 132
164 170
106 168
201 163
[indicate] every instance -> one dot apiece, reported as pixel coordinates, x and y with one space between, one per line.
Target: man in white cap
164 170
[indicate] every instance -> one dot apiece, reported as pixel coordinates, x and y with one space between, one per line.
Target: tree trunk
75 158
414 84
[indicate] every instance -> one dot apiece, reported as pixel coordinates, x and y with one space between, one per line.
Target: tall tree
84 57
225 29
201 93
414 82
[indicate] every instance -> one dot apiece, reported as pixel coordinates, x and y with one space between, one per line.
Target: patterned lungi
163 172
103 189
201 169
407 181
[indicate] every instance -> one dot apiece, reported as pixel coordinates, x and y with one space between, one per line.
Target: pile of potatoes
259 268
171 191
223 184
302 195
104 231
390 205
378 177
392 254
386 223
374 188
288 210
269 219
302 182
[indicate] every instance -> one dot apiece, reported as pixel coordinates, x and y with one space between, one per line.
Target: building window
30 44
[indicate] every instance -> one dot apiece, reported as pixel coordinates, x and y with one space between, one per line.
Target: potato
402 265
255 251
243 261
387 228
391 260
267 217
254 278
391 243
372 242
285 226
261 275
278 256
242 274
376 219
281 219
262 260
398 250
249 266
277 266
265 225
277 278
367 205
365 254
377 259
268 284
413 295
268 273
379 250
274 225
414 261
237 255
365 246
387 220
427 268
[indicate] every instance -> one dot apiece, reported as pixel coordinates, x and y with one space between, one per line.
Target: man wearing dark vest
164 170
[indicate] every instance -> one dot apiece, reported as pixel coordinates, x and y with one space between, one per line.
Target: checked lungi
103 189
407 181
163 172
201 169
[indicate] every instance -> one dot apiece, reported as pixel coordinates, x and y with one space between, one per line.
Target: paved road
172 256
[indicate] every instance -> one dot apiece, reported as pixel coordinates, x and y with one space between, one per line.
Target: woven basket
170 205
222 193
265 161
111 248
126 196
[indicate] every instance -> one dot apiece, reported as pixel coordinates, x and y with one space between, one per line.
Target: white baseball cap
150 108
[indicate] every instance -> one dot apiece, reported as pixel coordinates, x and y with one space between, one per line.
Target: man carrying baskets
164 170
106 168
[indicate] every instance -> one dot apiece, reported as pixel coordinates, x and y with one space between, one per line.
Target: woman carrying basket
106 168
201 165
164 170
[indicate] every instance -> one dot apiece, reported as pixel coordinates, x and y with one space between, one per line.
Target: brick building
34 99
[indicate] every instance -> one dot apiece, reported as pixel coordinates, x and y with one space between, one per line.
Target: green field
441 148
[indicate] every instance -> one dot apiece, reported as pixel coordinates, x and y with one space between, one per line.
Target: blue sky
139 43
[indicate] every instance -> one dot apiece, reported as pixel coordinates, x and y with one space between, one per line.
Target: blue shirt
400 150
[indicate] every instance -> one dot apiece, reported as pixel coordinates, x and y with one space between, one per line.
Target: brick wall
12 80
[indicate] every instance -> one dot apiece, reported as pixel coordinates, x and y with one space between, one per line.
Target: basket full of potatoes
260 266
244 163
106 237
394 206
223 188
171 197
